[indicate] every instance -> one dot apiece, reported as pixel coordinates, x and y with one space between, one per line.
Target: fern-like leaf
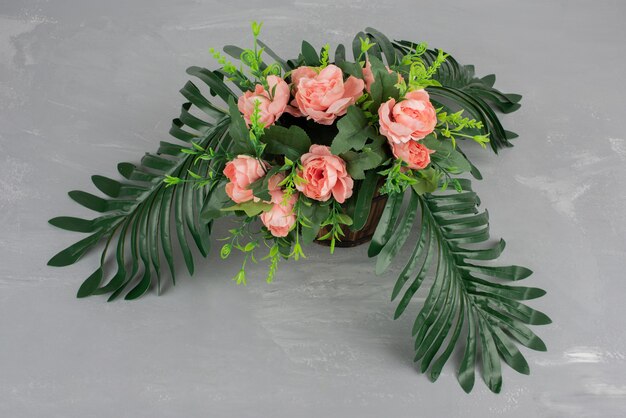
466 296
140 214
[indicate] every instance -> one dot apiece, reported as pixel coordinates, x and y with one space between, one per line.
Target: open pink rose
411 119
242 171
324 174
272 103
324 96
414 153
280 218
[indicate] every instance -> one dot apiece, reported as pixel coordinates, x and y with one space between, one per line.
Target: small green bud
225 251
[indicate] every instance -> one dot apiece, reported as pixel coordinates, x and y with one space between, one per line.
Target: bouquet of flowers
339 152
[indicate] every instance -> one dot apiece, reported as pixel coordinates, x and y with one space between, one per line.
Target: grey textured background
86 84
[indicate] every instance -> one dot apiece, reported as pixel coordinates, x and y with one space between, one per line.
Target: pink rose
325 174
272 104
280 218
324 96
242 171
414 153
411 119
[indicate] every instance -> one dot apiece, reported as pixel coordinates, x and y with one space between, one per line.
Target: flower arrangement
337 152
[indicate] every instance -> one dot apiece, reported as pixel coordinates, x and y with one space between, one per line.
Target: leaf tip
433 376
59 260
496 387
467 386
53 263
90 285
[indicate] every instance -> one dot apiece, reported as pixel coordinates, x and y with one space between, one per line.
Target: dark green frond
467 296
141 215
384 47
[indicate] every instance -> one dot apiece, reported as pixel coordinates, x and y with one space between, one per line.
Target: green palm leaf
140 216
466 295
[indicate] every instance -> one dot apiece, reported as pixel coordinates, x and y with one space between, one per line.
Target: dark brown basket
354 238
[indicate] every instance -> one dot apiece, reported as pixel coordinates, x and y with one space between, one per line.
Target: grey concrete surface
86 84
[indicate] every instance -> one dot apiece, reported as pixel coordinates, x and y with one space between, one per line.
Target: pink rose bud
368 75
274 188
280 219
242 171
272 103
324 96
324 174
411 119
415 154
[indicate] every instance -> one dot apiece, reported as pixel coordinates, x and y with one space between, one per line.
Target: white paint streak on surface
583 355
561 193
12 27
586 158
618 145
66 106
13 174
605 389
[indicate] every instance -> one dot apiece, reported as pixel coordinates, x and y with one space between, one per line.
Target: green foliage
417 74
292 179
360 46
453 126
237 240
211 209
242 142
251 61
359 162
354 130
446 156
197 180
366 44
297 253
364 196
427 181
156 200
229 69
250 208
309 56
398 177
257 129
324 56
314 214
383 47
420 76
274 257
384 86
291 142
466 297
248 241
336 218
